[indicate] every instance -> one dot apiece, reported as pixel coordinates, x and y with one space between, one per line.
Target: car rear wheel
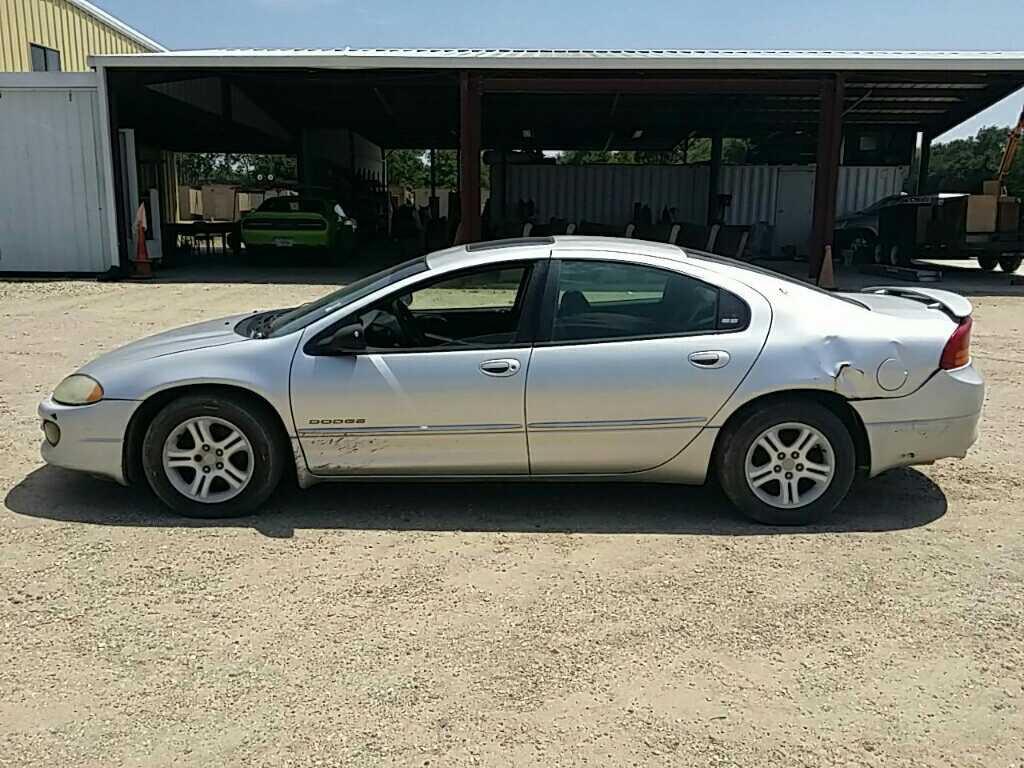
896 257
1010 262
789 463
212 456
988 263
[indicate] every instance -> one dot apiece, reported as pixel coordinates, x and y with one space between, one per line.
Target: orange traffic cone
142 267
826 277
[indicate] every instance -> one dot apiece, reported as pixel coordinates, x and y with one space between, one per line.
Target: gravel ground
497 624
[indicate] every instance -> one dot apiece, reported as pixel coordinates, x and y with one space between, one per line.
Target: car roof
542 247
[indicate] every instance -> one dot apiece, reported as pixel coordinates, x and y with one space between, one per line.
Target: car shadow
897 500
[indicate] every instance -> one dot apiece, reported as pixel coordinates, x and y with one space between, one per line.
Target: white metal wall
753 189
606 193
53 185
862 185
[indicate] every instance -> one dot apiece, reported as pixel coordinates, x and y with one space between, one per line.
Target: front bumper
940 420
91 436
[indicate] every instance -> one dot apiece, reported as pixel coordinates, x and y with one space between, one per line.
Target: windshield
882 203
298 318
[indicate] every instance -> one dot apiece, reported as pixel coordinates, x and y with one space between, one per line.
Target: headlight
78 389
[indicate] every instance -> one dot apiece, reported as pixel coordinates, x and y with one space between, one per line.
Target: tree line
963 164
956 166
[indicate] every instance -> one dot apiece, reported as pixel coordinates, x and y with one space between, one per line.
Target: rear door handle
712 358
506 367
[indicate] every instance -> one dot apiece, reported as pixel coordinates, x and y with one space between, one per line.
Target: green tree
586 157
448 169
406 168
411 168
963 164
195 168
697 150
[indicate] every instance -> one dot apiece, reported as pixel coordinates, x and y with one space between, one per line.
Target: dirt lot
497 624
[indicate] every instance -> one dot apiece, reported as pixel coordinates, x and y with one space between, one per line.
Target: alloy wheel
208 459
790 465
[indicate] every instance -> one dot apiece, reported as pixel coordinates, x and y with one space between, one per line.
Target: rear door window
609 301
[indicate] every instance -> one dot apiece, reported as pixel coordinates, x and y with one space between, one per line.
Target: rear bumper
91 436
269 238
940 420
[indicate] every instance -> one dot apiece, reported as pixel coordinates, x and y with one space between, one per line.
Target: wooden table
204 232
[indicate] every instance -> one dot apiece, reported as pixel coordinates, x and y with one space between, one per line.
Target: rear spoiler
953 304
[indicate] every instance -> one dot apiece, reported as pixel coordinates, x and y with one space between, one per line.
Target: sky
732 24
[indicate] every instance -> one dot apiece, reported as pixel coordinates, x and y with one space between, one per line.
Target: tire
862 243
988 263
238 481
742 451
1010 262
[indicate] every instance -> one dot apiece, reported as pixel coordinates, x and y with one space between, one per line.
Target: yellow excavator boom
1012 145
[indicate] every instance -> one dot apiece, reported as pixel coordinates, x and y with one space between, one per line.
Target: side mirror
347 340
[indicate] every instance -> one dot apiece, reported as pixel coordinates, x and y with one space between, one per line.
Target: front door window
477 309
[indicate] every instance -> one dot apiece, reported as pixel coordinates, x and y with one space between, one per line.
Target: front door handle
712 358
506 367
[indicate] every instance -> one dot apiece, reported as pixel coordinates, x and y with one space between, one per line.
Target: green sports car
299 222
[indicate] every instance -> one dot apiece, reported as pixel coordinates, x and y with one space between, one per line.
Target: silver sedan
571 358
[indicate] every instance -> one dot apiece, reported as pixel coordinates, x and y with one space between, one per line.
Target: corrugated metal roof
577 58
120 26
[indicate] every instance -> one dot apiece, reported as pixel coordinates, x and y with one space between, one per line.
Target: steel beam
649 85
922 169
469 153
714 175
826 174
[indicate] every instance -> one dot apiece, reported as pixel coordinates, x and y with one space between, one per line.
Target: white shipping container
606 193
53 186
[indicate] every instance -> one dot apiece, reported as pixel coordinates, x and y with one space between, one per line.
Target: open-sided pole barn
469 99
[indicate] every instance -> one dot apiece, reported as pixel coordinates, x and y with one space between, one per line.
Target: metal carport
508 99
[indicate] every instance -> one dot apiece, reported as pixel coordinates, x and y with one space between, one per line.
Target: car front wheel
788 463
212 456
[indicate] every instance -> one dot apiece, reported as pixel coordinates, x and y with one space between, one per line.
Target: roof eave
118 25
575 60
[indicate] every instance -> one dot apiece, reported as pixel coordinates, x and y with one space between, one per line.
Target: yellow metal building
52 35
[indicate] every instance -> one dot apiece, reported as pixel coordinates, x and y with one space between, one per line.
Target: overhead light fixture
638 133
527 133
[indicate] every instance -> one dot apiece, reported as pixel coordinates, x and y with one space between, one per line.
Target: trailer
986 228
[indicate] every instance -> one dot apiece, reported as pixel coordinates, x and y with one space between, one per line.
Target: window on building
44 59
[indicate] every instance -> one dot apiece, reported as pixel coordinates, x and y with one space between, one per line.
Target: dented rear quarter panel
820 342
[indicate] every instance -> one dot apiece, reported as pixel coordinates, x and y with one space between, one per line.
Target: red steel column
826 175
469 146
714 176
921 183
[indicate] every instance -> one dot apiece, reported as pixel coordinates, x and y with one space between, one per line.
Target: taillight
957 352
